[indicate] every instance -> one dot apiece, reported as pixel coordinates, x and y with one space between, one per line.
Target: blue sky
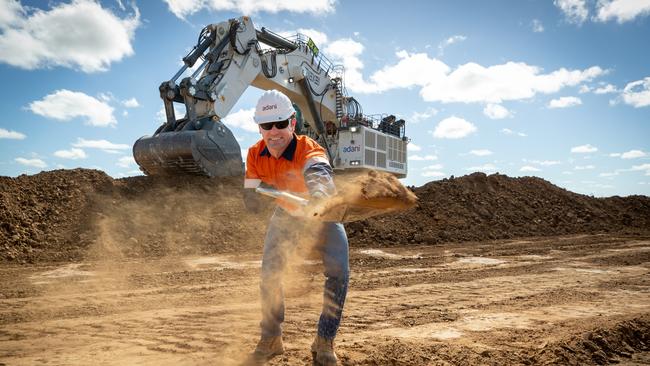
555 89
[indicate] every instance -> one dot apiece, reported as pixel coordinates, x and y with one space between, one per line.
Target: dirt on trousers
566 300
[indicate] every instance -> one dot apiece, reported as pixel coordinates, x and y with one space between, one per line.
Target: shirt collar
288 153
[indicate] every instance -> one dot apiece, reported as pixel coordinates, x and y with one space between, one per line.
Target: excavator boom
234 55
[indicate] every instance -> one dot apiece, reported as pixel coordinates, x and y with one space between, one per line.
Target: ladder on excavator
339 88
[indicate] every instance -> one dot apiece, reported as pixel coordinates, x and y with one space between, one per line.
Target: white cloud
615 155
574 10
537 26
583 149
126 161
417 117
564 102
319 38
183 8
480 152
11 13
79 35
496 111
508 131
637 93
633 154
607 89
528 168
106 97
544 162
131 103
448 42
622 10
433 167
433 174
453 128
347 52
468 83
642 167
584 167
104 145
510 81
37 163
612 174
422 158
486 168
64 105
584 89
243 119
73 153
413 147
13 135
411 69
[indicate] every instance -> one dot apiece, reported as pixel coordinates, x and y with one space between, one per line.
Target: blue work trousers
284 234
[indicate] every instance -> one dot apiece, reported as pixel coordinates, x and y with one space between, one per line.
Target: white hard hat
273 106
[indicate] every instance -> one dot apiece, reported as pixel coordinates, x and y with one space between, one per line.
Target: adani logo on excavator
348 149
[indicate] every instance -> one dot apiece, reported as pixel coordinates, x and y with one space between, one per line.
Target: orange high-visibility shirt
285 173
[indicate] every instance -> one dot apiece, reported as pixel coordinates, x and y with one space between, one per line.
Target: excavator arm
234 55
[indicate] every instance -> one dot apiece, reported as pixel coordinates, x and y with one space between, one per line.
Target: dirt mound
600 347
478 207
72 214
46 212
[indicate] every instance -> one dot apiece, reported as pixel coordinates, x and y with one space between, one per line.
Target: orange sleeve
313 149
251 168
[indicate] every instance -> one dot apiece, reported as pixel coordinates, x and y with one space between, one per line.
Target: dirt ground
484 270
580 299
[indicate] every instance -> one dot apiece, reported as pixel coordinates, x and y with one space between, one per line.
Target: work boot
322 350
267 348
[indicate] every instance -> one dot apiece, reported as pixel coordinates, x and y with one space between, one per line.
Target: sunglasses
279 125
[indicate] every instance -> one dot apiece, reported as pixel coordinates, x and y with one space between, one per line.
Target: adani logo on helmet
349 149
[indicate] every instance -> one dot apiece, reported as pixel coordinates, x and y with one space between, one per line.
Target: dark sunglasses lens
282 124
279 125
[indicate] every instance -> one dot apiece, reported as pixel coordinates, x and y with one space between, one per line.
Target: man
299 165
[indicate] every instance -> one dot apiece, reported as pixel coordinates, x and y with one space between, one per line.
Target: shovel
344 207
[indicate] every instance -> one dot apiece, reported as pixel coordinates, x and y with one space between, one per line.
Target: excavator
235 55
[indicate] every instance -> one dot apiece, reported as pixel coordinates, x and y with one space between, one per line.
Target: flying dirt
483 270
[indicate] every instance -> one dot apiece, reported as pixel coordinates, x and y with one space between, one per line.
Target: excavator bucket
204 148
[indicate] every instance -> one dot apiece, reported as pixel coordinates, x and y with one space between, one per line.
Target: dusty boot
267 348
322 350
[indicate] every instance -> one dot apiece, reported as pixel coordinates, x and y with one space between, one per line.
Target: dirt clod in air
366 195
